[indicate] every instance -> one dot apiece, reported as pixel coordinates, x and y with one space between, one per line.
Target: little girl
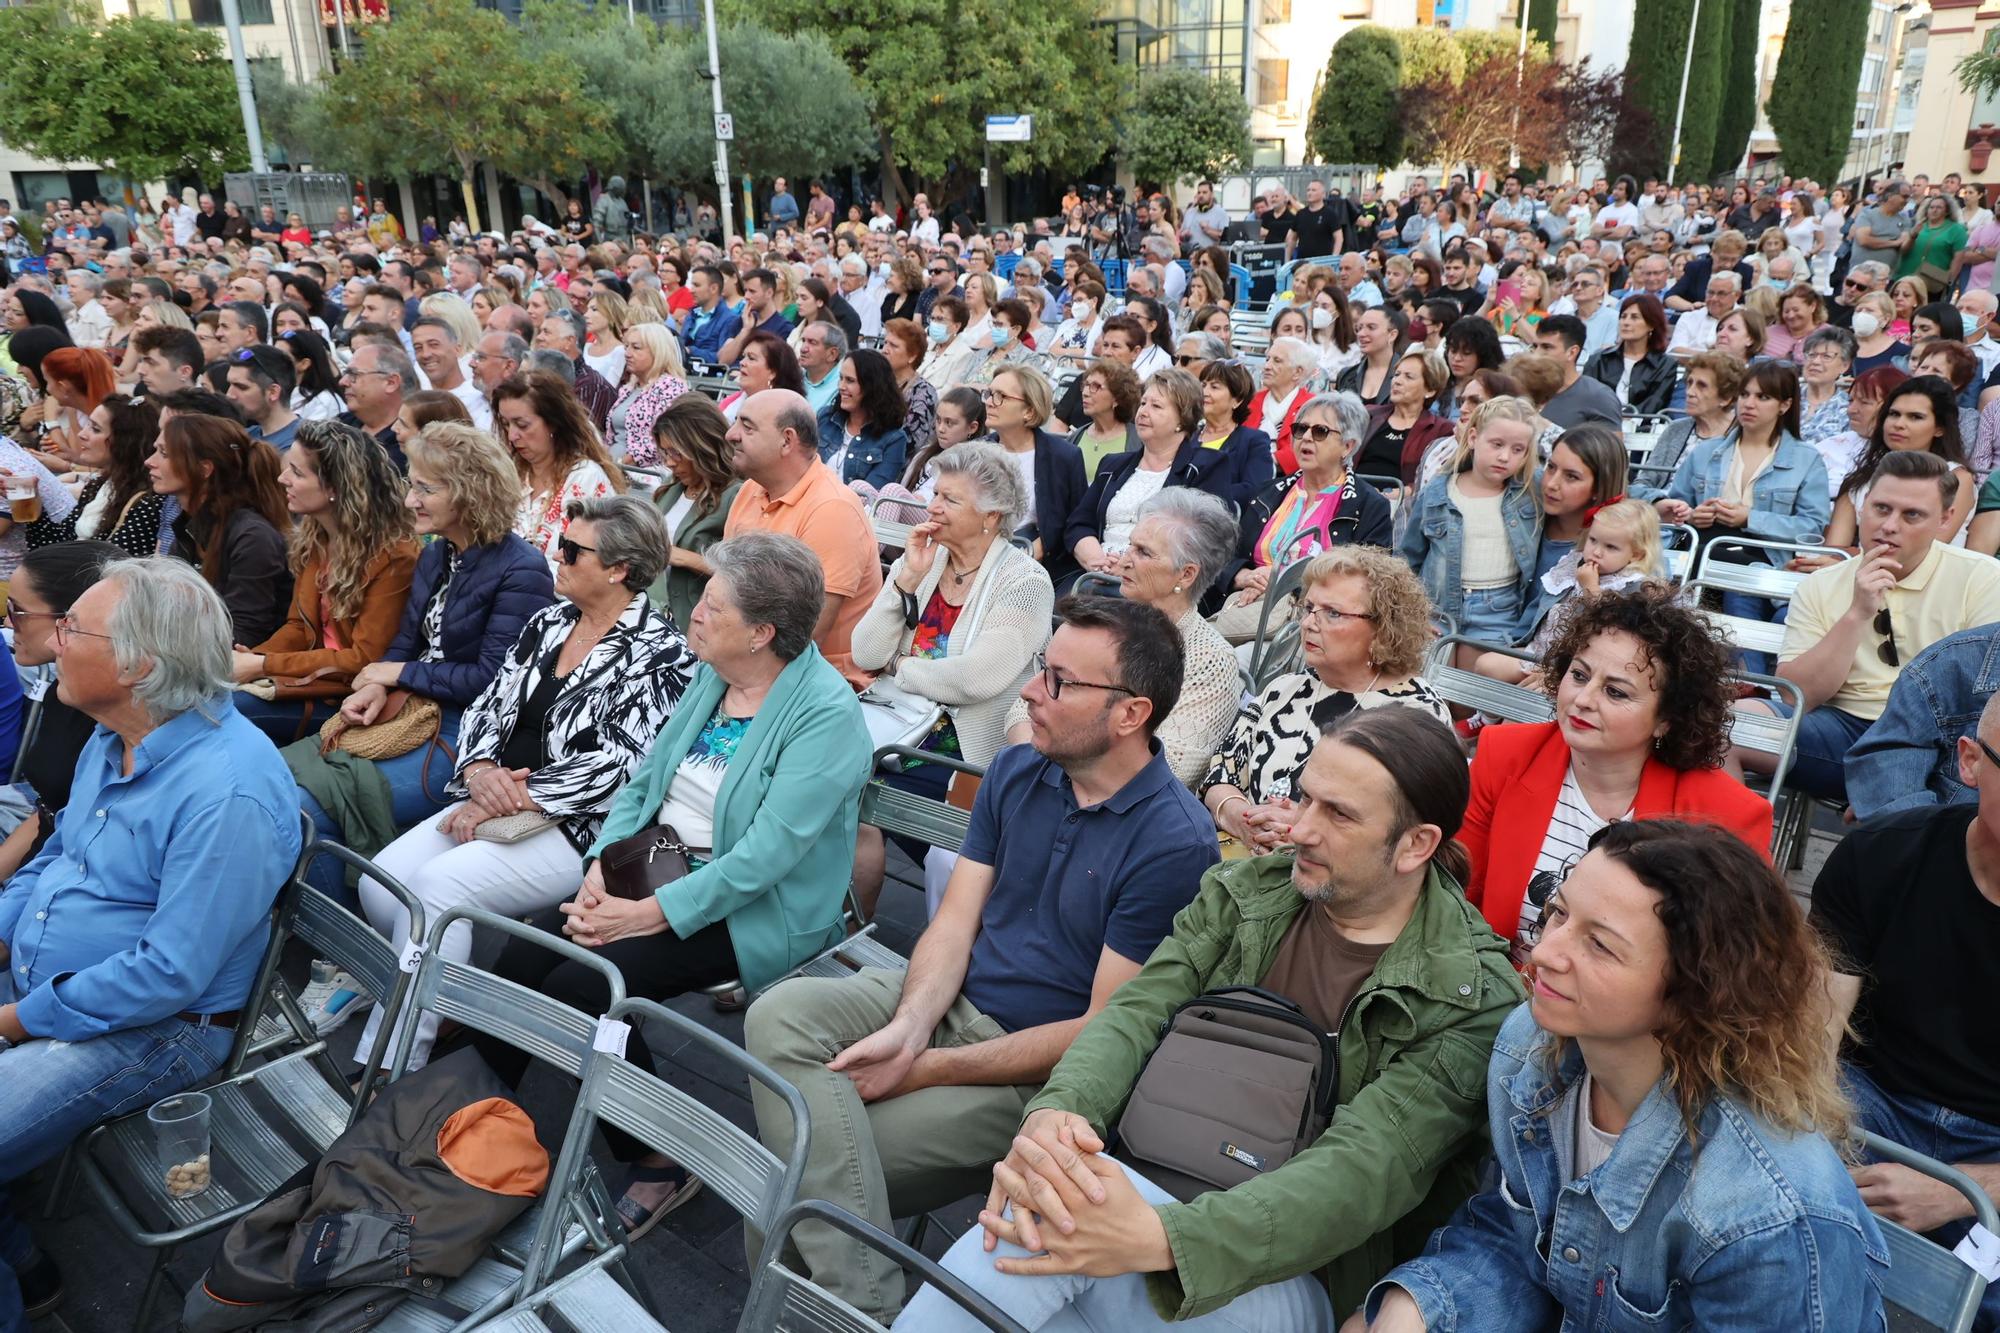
961 416
1621 548
1475 532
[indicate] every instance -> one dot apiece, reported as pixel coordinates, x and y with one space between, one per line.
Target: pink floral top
539 518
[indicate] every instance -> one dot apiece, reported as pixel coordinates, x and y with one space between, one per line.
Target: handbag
518 827
407 721
639 864
1935 277
1241 1082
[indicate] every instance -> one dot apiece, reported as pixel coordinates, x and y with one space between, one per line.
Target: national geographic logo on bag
1243 1155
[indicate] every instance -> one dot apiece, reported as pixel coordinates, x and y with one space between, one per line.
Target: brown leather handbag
637 866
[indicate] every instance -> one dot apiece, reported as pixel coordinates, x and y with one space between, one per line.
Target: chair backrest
1752 636
1758 578
283 911
898 812
1239 278
730 1160
545 1028
1926 1280
1469 689
1680 544
1276 646
783 1299
1777 737
1091 583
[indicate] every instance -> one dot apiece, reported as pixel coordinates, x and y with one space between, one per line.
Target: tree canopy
1813 92
142 97
1355 117
1185 126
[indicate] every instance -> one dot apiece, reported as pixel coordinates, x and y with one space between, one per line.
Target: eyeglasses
1853 286
1988 750
1304 610
995 396
1056 684
15 615
66 630
1886 650
1188 360
352 374
570 550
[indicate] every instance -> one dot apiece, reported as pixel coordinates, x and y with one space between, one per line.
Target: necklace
957 576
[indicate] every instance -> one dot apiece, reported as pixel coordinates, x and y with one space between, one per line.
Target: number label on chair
1981 1252
412 955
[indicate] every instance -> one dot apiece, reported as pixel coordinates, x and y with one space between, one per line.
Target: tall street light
1680 108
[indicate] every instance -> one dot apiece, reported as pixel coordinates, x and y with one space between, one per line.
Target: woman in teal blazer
760 768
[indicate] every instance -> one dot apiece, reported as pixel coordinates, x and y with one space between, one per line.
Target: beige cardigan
989 655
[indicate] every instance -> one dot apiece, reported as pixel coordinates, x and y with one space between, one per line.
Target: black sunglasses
570 550
1886 650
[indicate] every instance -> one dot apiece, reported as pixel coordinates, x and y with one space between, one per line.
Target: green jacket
679 589
1406 1140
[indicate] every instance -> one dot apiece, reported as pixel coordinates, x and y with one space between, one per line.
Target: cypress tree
1739 88
1704 92
1652 84
1542 22
1819 73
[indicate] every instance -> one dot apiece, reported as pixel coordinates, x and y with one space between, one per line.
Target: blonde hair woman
654 377
605 319
464 325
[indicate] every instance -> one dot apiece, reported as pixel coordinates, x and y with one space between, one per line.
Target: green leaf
1186 126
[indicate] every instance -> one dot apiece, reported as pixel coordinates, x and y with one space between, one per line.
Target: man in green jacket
1365 928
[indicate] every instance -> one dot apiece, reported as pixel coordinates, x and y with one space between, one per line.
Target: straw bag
407 722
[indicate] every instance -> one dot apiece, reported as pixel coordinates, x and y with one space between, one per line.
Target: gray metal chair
1275 650
575 1208
266 1122
1093 584
1483 694
729 1160
1928 1286
1680 544
783 1299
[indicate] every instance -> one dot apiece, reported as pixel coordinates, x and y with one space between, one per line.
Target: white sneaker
331 1001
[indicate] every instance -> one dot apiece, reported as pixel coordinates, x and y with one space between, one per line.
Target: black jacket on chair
1368 523
1652 386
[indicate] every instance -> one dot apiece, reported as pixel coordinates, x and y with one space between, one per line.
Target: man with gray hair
1195 352
774 447
541 358
562 332
822 347
89 322
856 292
496 358
1695 330
1160 255
129 944
1860 280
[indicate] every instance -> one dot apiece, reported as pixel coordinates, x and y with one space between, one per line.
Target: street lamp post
1680 108
721 146
1520 77
232 19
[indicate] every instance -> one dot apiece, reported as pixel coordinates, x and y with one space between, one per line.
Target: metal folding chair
266 1122
1679 543
1093 584
1275 650
1483 694
783 1299
732 1162
1760 578
1929 1287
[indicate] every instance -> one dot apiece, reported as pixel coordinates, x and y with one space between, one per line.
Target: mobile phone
1508 290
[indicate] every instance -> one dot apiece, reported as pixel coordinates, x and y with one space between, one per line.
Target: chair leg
60 1187
155 1279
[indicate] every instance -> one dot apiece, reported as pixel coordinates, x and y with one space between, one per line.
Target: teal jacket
1407 1137
784 818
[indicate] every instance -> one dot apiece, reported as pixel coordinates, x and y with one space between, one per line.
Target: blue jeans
53 1092
416 792
279 718
1937 1132
1826 734
1106 1304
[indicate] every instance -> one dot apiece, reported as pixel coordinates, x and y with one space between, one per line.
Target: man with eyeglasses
1853 624
1081 849
375 384
1910 903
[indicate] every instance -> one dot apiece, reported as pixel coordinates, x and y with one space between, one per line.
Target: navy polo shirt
1071 881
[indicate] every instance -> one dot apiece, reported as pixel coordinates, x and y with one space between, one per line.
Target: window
1274 82
1276 11
208 13
1986 108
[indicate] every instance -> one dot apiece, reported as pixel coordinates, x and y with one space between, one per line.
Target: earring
1177 587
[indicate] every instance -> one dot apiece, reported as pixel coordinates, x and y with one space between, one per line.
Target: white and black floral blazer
605 716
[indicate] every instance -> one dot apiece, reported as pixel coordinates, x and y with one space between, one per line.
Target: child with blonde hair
1621 548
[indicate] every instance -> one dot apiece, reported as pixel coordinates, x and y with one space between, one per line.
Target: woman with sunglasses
545 747
476 584
352 557
117 503
1666 1114
46 584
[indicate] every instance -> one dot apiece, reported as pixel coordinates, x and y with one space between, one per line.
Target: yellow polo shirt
1953 589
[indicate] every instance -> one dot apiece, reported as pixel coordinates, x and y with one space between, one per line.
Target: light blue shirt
822 392
153 895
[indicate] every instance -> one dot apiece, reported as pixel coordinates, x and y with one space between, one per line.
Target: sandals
633 1216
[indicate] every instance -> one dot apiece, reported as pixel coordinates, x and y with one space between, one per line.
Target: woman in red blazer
1642 694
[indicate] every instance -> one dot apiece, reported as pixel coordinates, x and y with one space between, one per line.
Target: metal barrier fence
313 195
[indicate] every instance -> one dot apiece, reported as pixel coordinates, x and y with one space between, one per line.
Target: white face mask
1866 324
1322 318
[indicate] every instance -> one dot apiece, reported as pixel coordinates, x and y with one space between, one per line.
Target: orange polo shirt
828 517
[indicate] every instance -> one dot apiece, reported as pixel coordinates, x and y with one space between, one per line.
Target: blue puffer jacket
496 589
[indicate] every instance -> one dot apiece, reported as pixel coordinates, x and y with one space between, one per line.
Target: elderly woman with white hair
654 377
544 748
958 622
1289 366
1180 545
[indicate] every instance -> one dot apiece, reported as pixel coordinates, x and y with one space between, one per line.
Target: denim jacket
1788 501
1909 757
1434 543
875 457
1759 1229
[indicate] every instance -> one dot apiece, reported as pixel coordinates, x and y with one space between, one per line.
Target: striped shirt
1570 830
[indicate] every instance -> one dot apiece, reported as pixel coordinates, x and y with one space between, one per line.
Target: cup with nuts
180 1130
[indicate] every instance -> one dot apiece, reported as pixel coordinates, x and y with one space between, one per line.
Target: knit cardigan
989 655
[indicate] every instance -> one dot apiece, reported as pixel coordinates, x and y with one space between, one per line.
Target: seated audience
1666 1106
1018 404
351 559
1843 449
959 620
861 436
557 454
1853 624
1908 757
1110 401
1641 691
1825 356
232 516
1620 550
787 489
1226 391
759 771
1473 534
1364 627
574 708
1402 430
952 355
654 378
126 972
1286 384
768 363
1909 905
1581 398
117 502
1636 368
476 584
960 418
1363 926
690 440
1084 825
1320 506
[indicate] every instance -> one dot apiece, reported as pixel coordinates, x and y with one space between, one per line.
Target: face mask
939 331
1866 325
1001 337
1322 318
1080 309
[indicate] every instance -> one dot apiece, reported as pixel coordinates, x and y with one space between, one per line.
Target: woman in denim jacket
1498 450
1758 480
1660 1110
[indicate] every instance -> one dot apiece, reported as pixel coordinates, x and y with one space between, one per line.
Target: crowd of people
484 555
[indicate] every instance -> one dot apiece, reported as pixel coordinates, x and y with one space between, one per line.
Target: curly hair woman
1641 691
1667 1104
352 555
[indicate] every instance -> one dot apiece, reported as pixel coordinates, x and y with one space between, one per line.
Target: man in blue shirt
709 322
261 380
784 208
1081 849
762 311
132 941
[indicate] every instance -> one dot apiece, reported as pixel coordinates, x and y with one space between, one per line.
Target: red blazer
1517 774
1281 443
